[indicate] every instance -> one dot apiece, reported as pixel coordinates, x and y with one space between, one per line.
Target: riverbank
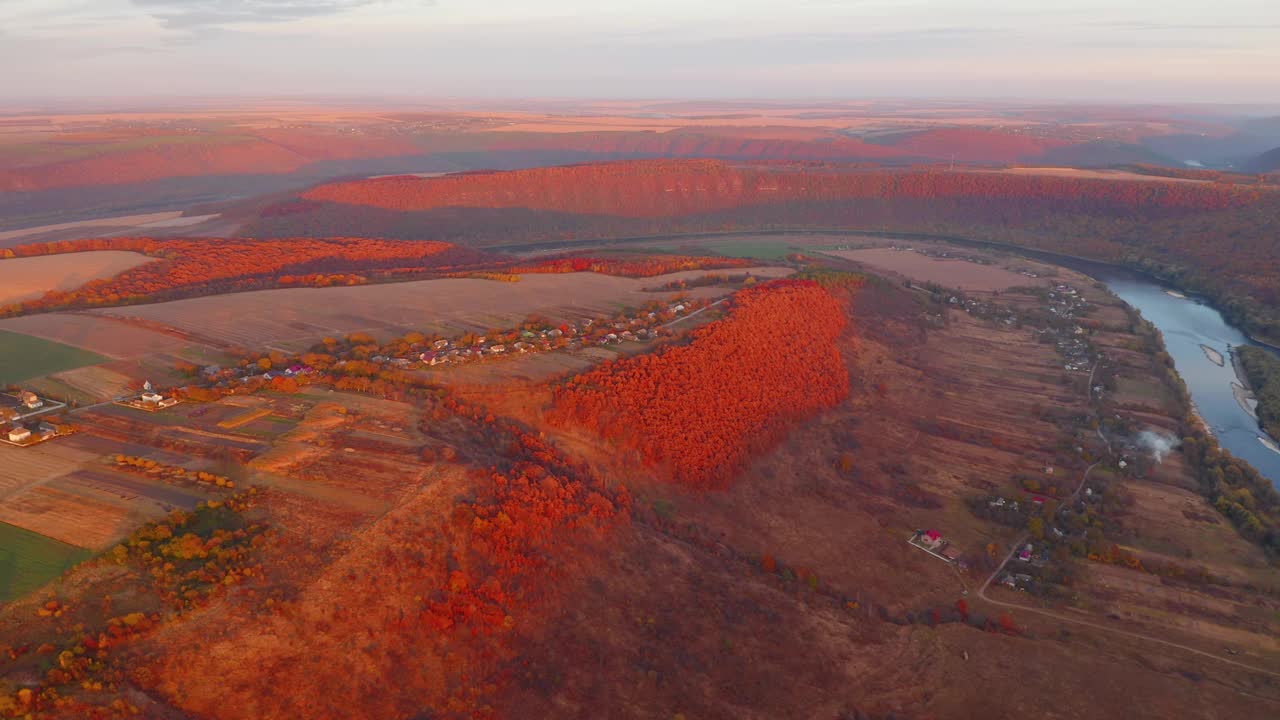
1259 372
1242 389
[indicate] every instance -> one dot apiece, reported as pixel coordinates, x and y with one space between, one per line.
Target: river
1189 326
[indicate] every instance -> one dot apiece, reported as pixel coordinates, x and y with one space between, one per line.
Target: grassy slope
23 357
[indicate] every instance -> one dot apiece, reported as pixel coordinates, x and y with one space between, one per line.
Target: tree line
1263 371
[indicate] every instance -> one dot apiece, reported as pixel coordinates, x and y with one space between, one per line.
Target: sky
1110 50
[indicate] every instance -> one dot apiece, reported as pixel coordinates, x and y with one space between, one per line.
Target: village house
30 400
19 434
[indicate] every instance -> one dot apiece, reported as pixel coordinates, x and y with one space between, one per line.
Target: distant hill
1208 150
1176 227
1267 162
1104 153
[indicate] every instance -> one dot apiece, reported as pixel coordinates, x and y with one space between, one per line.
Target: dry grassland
958 274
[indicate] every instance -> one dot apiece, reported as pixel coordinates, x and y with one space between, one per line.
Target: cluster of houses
221 377
24 419
945 255
984 310
1065 303
582 333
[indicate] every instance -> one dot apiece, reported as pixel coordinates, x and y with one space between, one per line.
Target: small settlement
532 337
28 419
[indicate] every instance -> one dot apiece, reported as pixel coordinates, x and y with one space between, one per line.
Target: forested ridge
1216 238
206 266
648 188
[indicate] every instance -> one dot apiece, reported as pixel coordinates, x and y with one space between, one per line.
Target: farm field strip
68 517
93 508
264 317
90 333
131 488
23 467
951 273
98 382
23 357
31 277
29 560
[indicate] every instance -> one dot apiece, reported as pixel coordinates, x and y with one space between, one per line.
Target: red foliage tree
704 408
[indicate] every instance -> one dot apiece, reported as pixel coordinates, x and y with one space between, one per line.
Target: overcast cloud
1174 50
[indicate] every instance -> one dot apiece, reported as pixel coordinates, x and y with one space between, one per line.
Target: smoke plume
1158 443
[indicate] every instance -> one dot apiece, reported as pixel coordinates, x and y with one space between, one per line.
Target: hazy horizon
1223 53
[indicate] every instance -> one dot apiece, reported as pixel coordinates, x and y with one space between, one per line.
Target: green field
23 357
762 249
29 560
